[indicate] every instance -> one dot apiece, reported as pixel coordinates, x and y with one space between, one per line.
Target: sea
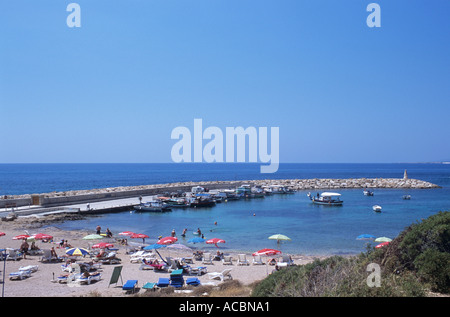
246 225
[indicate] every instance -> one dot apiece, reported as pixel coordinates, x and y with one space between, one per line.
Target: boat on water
202 202
377 208
407 197
154 206
327 198
368 192
177 203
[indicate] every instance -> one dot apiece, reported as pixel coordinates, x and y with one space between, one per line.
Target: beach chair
285 261
80 278
221 275
227 260
31 268
47 256
20 275
242 260
176 278
130 285
257 260
149 286
199 270
13 255
163 282
194 281
207 258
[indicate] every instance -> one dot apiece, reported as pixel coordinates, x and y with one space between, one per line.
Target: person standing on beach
98 229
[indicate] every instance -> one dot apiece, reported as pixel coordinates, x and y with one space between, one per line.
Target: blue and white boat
327 198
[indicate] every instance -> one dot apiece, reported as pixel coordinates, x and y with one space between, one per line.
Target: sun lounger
227 260
152 266
88 279
285 261
257 260
163 282
20 275
13 255
207 258
194 281
149 286
32 268
198 270
221 275
242 260
176 278
130 285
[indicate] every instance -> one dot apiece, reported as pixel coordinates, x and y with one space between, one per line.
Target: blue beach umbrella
365 236
154 246
196 240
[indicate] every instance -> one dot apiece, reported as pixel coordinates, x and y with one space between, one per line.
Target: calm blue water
313 229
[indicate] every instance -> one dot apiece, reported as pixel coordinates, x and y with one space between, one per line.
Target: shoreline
100 194
42 283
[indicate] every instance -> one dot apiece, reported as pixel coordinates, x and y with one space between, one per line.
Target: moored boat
154 206
377 208
368 192
327 198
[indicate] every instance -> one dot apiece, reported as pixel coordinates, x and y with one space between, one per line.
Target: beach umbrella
167 240
139 236
382 244
383 239
196 240
267 252
179 246
77 251
103 245
126 233
279 237
365 236
21 237
215 241
155 247
42 236
93 237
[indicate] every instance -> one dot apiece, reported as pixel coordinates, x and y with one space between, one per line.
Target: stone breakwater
82 196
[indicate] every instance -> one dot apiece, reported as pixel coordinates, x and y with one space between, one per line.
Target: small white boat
327 198
368 193
407 197
376 208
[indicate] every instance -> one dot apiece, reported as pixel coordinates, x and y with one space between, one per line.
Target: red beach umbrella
215 241
21 237
167 240
42 236
126 233
139 236
103 245
267 252
382 245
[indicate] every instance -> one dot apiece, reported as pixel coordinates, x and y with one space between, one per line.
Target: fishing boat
368 192
154 206
327 198
377 208
202 202
177 203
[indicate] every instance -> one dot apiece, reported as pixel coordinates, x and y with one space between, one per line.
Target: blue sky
114 89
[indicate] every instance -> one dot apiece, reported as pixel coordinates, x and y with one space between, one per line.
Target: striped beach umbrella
77 251
21 237
167 240
215 241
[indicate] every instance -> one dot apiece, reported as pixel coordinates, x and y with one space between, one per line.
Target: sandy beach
44 282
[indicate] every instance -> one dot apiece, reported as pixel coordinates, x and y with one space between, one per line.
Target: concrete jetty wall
102 194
